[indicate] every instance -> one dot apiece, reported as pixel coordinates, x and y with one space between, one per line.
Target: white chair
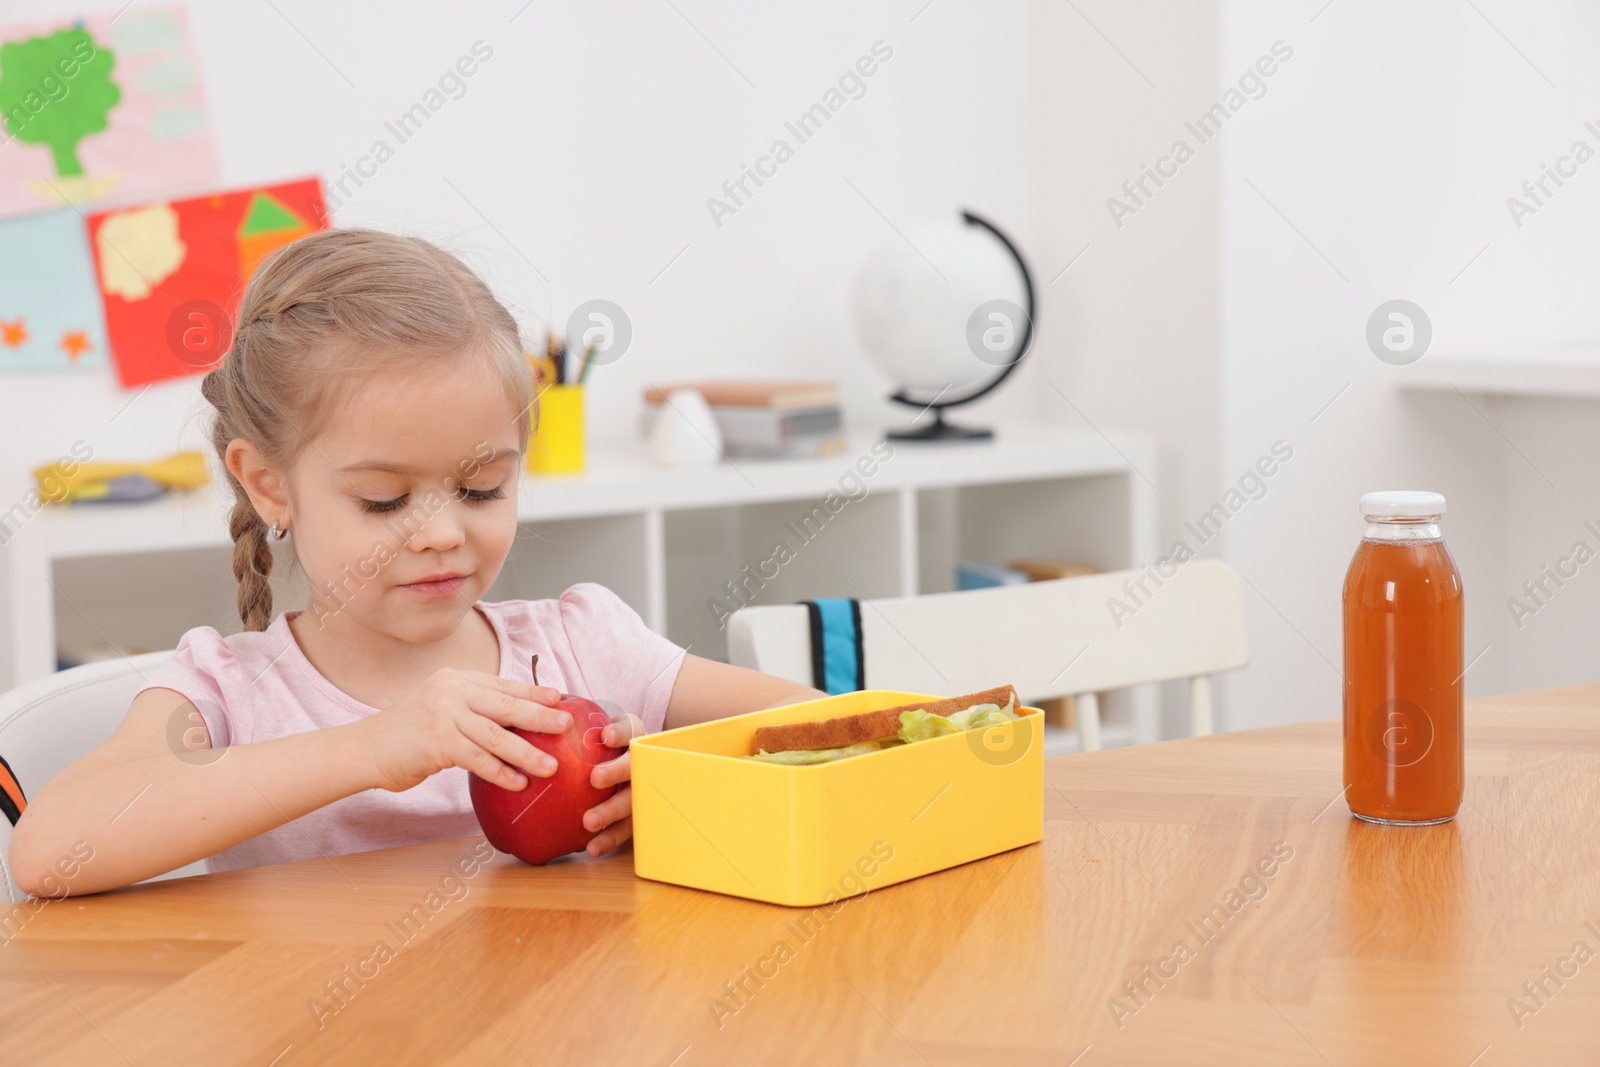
1049 639
47 724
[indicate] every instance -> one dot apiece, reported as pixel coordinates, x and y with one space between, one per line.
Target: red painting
171 272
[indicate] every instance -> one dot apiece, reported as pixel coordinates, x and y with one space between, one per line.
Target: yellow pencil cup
557 444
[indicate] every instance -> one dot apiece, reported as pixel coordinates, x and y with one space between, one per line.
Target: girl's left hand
613 817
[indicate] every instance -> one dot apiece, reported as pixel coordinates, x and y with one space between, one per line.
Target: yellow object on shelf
556 446
808 835
66 481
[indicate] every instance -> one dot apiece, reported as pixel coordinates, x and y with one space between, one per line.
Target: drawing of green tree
32 116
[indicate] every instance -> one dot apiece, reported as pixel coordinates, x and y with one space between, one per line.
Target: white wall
583 152
1391 142
590 142
1211 318
1129 335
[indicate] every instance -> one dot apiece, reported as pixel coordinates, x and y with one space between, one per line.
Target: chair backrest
47 724
1065 637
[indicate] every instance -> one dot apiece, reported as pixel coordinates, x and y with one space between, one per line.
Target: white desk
667 541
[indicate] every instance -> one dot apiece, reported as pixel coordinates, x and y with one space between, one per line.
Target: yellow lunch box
808 835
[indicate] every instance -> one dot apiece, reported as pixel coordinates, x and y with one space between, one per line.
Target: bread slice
869 725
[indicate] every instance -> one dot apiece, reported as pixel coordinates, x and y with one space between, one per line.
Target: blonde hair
320 317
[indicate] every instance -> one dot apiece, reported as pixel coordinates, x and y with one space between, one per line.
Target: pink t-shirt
259 686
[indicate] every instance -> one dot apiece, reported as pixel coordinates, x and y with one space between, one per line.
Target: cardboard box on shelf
1040 570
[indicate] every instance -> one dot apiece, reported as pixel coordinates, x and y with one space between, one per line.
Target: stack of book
764 418
973 575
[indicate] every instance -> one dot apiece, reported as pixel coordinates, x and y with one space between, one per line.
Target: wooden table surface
1367 945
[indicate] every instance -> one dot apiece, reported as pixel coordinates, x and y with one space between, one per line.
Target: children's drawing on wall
50 311
105 106
167 270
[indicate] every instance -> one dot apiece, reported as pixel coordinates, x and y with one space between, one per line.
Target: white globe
912 322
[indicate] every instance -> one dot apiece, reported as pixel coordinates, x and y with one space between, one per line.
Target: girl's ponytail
252 561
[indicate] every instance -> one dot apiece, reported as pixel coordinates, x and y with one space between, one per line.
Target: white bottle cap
1402 504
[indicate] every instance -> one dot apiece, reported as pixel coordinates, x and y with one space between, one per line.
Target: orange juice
1403 754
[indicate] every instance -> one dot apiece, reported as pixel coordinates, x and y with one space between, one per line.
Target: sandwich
825 740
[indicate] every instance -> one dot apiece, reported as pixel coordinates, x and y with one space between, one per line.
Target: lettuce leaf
921 725
802 757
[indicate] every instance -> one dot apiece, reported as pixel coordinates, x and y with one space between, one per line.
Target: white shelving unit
669 542
1536 371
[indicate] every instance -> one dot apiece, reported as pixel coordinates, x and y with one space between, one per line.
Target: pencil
545 372
552 351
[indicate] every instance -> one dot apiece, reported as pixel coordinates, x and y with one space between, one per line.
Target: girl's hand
613 816
460 719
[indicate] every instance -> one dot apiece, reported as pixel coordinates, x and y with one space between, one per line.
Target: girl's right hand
460 719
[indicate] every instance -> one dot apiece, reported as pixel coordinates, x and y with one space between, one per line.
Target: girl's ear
263 483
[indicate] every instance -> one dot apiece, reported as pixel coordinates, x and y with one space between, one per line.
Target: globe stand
938 430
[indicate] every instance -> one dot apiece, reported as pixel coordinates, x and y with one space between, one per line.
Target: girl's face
405 507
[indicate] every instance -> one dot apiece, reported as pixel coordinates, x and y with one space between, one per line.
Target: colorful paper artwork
50 315
111 105
166 271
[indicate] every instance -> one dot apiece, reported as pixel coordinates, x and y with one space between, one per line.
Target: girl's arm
707 690
145 809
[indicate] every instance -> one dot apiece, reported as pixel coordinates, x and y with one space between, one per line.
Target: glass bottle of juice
1402 665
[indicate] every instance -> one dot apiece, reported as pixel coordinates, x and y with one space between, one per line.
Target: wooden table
1367 945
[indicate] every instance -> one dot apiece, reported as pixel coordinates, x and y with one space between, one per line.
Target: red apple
544 819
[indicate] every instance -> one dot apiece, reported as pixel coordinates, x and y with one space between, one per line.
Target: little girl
372 413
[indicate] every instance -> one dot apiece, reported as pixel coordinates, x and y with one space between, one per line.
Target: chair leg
1087 708
1200 706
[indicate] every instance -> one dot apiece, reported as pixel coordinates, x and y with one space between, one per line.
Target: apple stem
536 668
